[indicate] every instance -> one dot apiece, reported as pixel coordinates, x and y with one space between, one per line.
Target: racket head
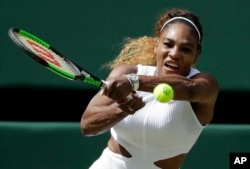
50 58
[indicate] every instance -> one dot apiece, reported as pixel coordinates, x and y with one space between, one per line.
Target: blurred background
91 32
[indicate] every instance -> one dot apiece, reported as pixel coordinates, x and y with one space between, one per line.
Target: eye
187 49
168 44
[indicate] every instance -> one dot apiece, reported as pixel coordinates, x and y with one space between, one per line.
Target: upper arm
205 95
205 89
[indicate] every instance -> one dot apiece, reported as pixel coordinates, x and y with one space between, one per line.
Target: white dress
155 132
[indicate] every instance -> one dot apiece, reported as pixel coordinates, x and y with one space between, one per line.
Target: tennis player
147 134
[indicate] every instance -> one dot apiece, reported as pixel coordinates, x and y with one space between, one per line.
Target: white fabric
157 131
111 160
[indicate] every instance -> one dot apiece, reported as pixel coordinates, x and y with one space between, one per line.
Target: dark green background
62 146
90 33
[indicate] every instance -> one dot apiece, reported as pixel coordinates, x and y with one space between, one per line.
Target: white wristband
134 80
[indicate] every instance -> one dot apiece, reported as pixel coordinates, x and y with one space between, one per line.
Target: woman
147 134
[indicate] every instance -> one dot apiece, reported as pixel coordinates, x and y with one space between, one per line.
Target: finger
123 101
130 109
137 103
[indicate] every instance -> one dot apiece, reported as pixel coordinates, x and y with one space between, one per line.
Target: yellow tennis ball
163 92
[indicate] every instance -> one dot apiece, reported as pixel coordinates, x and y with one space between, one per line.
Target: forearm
183 87
98 119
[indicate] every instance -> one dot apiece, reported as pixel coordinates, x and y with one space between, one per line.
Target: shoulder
197 74
206 76
205 81
207 84
207 90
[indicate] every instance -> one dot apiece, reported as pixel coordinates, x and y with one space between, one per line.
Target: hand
117 88
131 104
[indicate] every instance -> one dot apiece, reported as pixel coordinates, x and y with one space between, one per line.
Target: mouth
171 66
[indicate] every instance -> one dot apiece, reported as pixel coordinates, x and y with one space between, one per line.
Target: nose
174 53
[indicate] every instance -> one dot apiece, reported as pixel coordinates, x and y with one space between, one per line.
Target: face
176 49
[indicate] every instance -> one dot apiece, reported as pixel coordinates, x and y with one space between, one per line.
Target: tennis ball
163 92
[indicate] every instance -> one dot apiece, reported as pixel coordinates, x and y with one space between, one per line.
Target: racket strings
72 67
50 56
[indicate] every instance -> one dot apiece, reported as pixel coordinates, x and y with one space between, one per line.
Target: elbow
87 130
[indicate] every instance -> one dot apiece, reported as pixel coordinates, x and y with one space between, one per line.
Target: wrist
134 80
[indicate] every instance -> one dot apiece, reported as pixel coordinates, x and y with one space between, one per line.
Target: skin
176 52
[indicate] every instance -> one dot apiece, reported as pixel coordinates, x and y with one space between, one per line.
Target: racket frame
80 74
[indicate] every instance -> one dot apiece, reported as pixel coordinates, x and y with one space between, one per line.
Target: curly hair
141 50
136 51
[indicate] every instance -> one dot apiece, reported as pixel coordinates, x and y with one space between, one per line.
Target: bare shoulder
208 90
207 87
208 79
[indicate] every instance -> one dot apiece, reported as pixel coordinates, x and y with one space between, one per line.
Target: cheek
160 54
157 52
159 61
191 61
195 59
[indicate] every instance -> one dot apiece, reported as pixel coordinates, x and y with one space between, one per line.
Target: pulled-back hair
141 50
169 14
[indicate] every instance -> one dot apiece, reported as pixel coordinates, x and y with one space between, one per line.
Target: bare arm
102 112
202 88
106 110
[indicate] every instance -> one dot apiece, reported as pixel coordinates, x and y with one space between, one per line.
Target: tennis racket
50 58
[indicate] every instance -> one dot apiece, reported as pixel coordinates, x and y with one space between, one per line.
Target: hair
141 50
135 51
169 14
